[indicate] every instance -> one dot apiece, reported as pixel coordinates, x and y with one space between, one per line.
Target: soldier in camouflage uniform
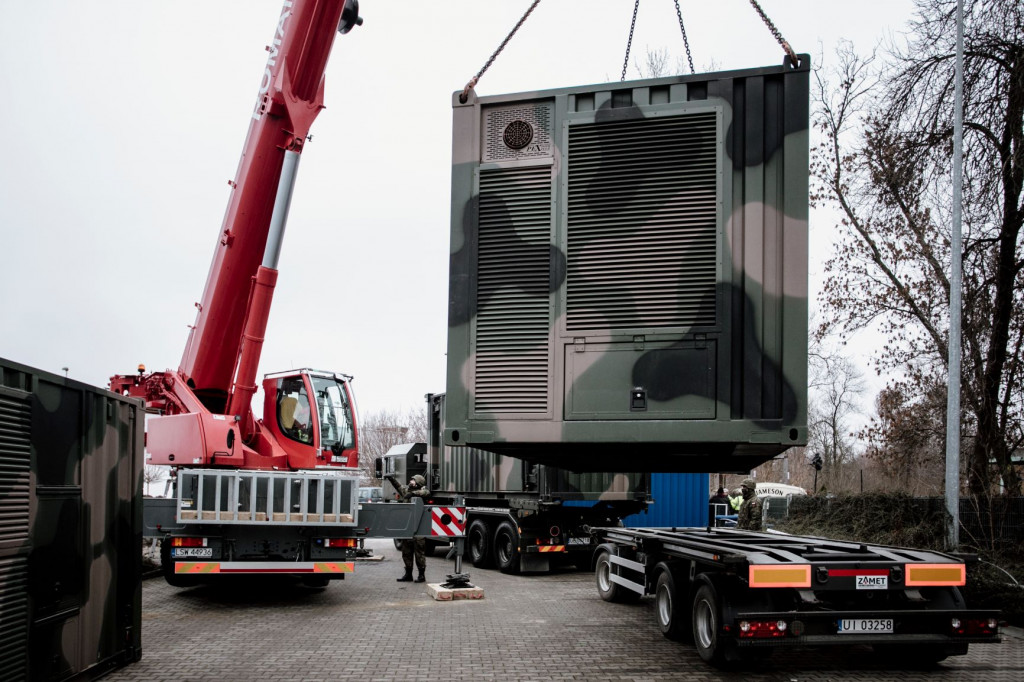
416 546
750 510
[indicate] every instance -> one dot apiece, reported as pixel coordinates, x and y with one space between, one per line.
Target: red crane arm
290 97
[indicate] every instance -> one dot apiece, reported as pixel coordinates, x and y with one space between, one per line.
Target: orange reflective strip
780 576
928 575
551 548
196 567
333 567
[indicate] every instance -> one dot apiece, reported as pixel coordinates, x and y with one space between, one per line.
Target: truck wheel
479 536
506 548
670 605
608 590
707 620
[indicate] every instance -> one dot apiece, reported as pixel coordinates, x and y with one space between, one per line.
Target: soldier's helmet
420 481
749 483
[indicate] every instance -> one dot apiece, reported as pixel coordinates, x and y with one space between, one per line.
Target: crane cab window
335 413
294 417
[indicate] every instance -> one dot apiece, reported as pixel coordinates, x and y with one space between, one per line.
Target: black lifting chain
686 43
775 32
632 27
629 43
475 79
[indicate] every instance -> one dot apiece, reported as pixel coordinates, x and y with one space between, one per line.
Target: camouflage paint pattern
480 476
71 473
628 273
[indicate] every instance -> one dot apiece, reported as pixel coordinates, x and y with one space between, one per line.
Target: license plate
872 582
863 626
192 552
578 541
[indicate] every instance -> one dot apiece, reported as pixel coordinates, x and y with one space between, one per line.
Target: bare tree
834 388
906 439
884 161
153 474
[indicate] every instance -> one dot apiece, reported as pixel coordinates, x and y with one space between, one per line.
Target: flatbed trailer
741 594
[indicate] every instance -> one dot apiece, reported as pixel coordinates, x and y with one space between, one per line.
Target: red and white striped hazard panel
447 521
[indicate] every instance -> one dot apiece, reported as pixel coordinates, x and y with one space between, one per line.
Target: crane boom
290 97
308 416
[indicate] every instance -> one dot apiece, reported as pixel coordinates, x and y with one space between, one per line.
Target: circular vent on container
518 134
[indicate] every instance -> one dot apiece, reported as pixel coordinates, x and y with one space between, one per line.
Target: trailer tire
506 548
479 536
608 590
707 620
670 604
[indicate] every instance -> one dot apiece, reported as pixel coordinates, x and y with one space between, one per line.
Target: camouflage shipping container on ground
71 463
628 276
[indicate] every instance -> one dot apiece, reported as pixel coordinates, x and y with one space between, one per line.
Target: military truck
521 517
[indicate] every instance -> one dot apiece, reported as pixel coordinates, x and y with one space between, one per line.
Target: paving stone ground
527 628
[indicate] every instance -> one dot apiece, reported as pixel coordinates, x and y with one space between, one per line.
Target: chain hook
475 79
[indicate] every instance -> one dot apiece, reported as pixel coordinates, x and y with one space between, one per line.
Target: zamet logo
274 49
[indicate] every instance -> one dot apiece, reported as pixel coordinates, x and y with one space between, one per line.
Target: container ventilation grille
14 609
519 132
513 320
642 223
15 462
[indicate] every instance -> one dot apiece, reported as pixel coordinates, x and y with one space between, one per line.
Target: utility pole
955 284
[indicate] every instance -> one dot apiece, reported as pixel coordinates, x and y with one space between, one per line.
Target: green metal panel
71 463
628 275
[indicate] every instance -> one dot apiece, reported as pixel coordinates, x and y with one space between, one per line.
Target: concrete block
440 593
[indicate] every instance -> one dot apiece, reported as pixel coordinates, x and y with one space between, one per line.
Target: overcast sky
124 121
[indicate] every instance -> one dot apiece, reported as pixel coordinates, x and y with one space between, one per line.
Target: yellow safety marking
780 576
927 575
333 567
196 567
551 548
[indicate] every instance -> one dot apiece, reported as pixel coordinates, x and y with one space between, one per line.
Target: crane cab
311 415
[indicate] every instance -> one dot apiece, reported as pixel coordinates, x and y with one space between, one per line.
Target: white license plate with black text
579 541
192 552
865 626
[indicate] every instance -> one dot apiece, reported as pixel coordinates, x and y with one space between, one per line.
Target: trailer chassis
740 595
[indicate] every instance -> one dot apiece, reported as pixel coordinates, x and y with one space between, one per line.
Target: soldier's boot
407 578
420 578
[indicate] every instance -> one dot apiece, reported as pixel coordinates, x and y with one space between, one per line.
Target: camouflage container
480 476
71 462
628 276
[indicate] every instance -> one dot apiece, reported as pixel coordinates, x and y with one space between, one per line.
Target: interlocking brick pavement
527 628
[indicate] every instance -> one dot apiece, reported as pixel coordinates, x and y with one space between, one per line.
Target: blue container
680 500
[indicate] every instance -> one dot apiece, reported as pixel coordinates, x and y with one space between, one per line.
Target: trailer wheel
506 548
670 605
608 590
479 536
707 620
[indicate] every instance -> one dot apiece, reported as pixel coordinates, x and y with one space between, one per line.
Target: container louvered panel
513 291
642 222
14 618
15 461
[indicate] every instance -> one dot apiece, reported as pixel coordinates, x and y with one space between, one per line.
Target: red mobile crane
206 403
278 494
